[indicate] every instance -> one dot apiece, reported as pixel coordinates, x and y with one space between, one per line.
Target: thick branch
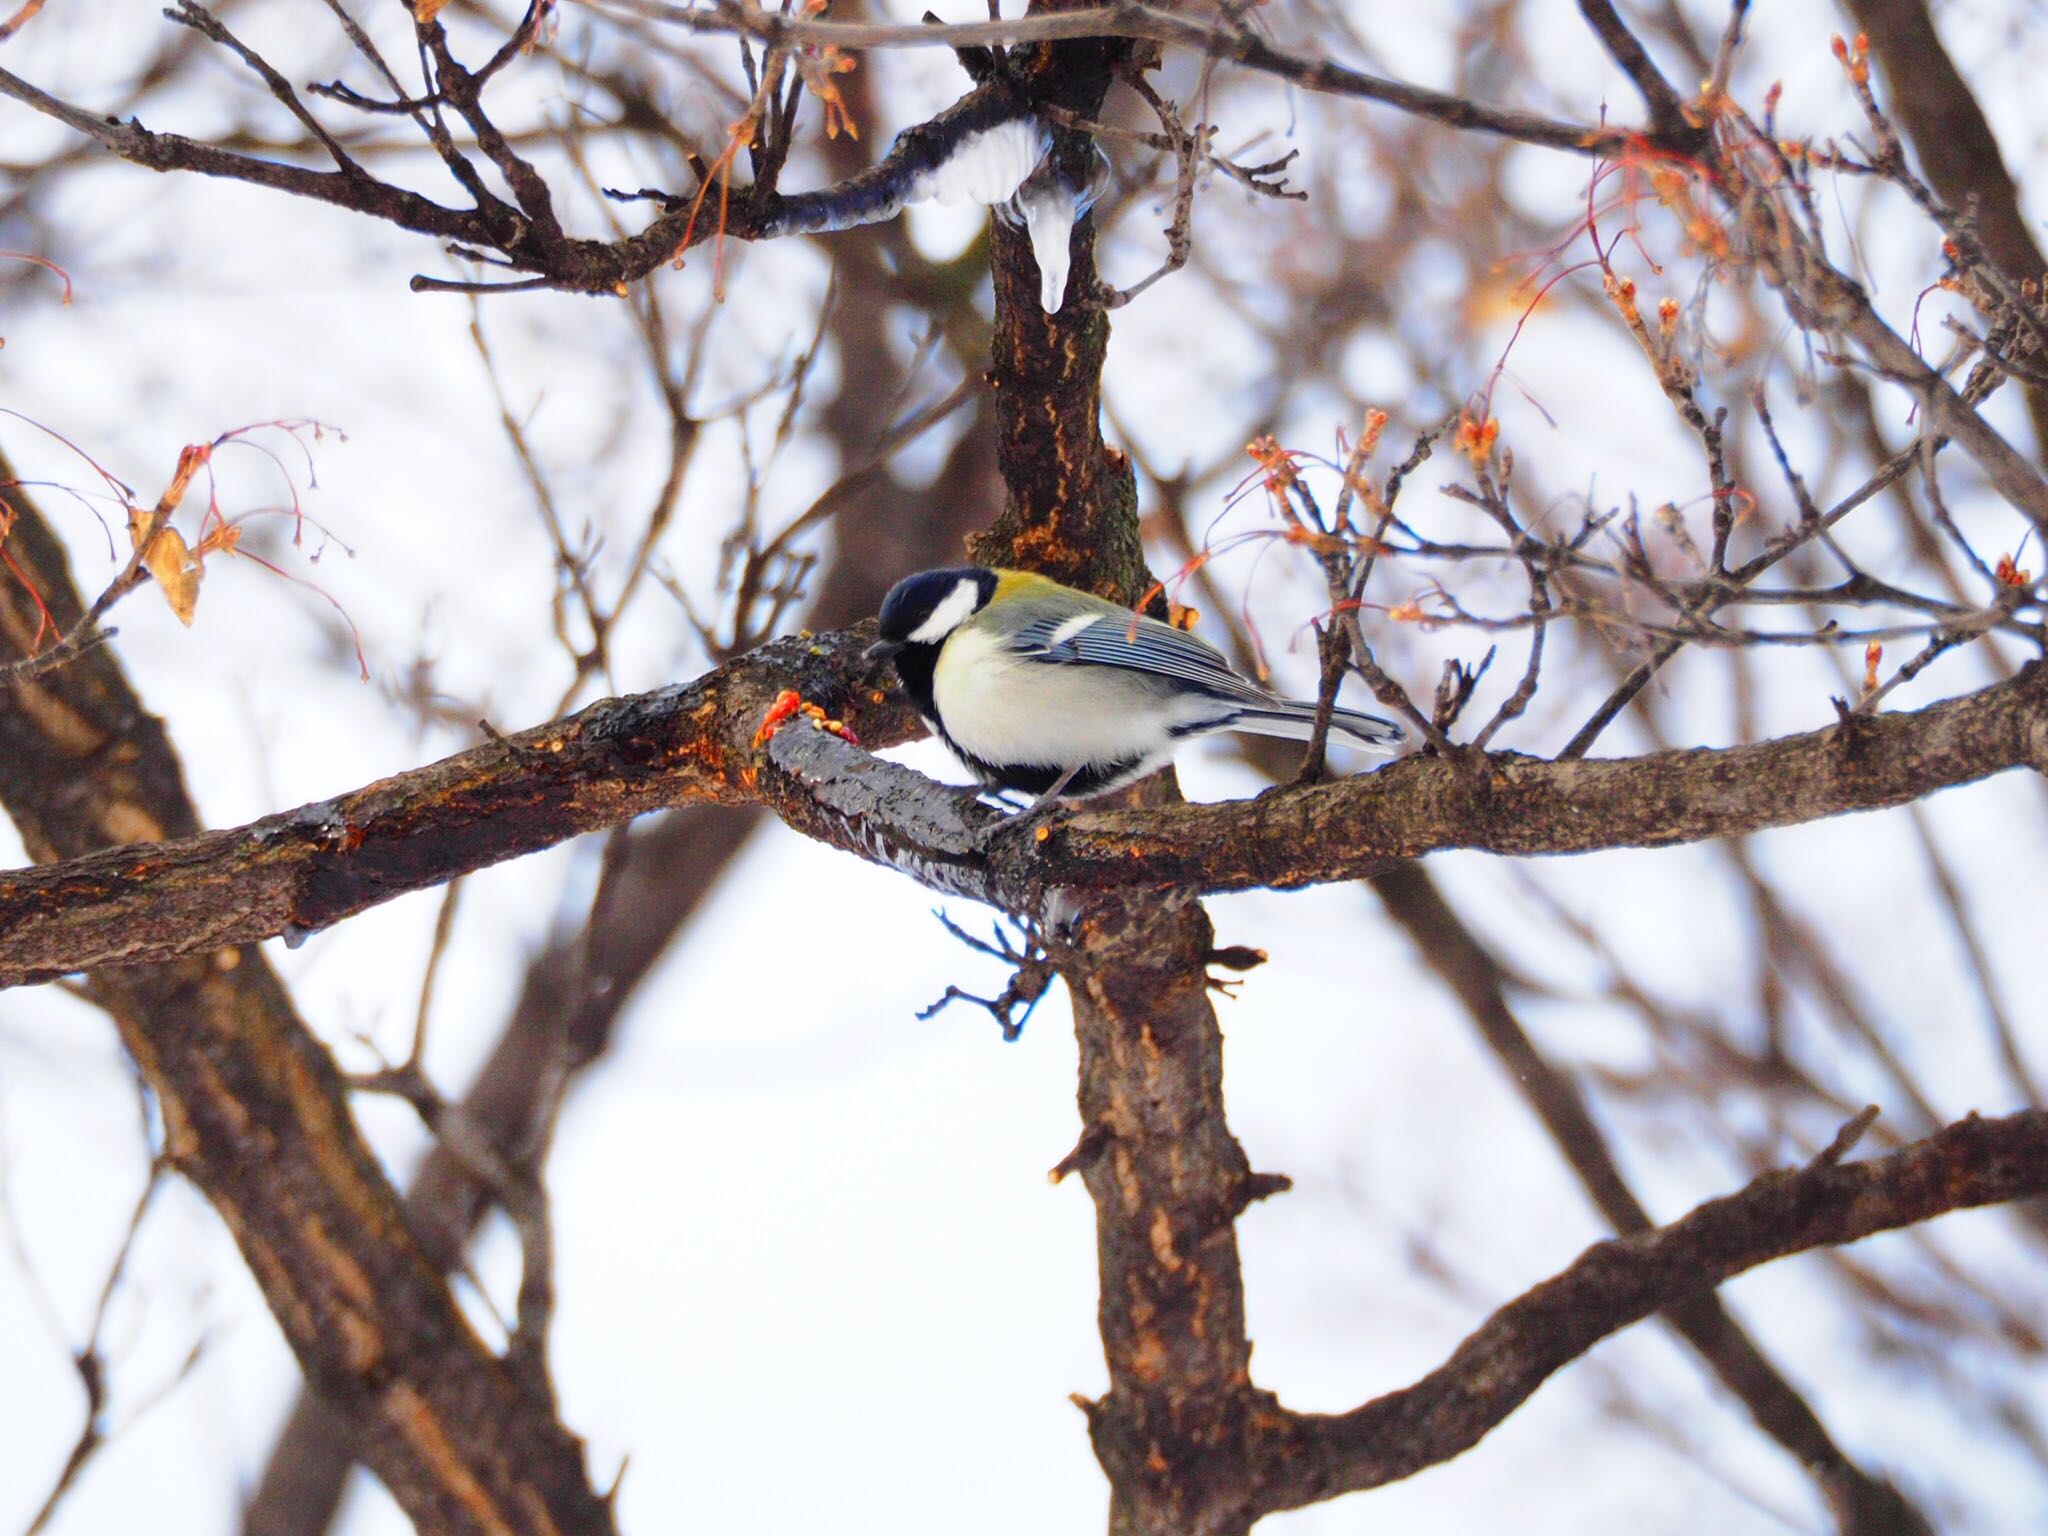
1168 1180
254 1114
1309 1457
292 874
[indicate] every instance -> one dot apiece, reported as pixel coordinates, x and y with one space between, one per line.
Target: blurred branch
1824 300
1864 1505
1975 1162
460 1445
575 991
1954 143
1667 109
657 874
1133 19
90 1361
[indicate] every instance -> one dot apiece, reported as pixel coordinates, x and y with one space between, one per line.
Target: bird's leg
1035 809
1057 788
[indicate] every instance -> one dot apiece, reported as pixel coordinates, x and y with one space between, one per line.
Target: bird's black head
923 609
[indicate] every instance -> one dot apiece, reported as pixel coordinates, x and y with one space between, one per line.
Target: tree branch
578 986
1667 109
1133 19
1309 1457
1864 1504
254 1114
1954 143
295 873
528 238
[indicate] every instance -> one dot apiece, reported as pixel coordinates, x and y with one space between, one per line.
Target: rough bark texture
255 1115
296 873
579 985
1168 1180
1073 506
1166 1176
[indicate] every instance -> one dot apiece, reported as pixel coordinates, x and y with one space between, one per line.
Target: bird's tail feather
1296 722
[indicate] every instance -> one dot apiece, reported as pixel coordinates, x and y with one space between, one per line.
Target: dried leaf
171 563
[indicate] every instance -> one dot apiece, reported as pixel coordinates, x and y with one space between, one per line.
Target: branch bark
1133 19
1168 1180
579 985
293 874
255 1115
1166 1175
1310 1457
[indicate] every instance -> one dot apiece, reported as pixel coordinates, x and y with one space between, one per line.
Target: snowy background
798 1228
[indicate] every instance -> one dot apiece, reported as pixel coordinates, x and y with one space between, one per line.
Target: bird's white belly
1022 711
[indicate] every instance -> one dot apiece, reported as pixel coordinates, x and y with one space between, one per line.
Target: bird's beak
883 649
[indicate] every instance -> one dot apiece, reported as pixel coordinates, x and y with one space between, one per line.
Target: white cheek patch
955 609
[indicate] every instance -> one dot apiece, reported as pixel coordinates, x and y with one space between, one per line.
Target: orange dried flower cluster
175 566
1623 291
1675 189
1369 440
1855 57
1278 463
1477 434
1300 533
817 66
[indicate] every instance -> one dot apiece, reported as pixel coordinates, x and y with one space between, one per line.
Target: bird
1044 690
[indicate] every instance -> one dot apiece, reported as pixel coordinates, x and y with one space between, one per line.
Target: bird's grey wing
1113 640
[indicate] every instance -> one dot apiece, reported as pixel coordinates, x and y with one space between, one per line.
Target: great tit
1049 691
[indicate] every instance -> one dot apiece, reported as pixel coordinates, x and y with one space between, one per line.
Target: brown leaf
173 565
